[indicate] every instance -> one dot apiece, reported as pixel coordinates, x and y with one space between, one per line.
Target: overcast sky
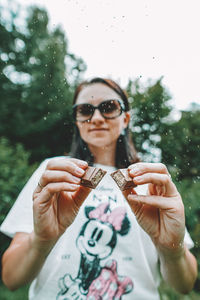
130 38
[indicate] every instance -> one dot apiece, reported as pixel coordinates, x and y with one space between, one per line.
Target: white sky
130 38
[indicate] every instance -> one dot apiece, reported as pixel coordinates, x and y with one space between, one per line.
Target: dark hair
125 150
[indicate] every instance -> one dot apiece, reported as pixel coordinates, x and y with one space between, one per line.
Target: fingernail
83 163
135 170
79 171
138 179
74 186
76 180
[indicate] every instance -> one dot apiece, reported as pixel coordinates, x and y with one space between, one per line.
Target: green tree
150 107
38 79
15 171
180 145
177 144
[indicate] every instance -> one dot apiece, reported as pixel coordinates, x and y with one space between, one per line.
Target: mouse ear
99 211
125 226
88 209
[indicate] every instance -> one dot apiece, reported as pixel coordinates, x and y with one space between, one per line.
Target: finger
67 164
159 190
141 168
81 195
156 201
158 179
50 189
58 176
128 192
66 171
38 188
79 162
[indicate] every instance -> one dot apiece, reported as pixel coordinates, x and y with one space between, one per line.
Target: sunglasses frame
122 106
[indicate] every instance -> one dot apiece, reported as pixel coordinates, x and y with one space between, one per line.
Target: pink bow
109 278
115 218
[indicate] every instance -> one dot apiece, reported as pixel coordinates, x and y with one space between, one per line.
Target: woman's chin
100 142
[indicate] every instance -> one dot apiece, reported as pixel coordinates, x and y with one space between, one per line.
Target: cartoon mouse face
96 239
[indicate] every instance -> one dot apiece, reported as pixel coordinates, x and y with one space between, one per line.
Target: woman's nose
97 116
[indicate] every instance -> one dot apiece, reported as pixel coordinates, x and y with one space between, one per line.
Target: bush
190 191
20 294
14 172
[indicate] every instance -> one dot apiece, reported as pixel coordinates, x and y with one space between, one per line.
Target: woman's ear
127 117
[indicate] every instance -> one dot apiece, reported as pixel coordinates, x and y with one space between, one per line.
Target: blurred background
150 48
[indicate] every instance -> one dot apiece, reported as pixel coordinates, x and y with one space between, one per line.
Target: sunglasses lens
110 109
84 112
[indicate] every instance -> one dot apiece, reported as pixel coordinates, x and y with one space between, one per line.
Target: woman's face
100 132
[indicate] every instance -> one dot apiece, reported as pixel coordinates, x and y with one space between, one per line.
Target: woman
98 244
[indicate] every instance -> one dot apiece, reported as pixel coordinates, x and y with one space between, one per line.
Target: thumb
133 205
128 192
81 194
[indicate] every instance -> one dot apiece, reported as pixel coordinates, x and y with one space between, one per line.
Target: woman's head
101 111
108 82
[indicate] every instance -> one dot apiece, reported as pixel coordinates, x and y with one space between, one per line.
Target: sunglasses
109 109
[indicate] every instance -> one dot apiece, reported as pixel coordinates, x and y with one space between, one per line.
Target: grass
20 294
166 293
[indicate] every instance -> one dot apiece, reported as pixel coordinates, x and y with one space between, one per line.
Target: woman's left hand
161 212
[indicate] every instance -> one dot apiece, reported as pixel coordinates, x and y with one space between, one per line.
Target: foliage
14 172
37 82
176 144
190 192
150 107
184 138
20 294
167 293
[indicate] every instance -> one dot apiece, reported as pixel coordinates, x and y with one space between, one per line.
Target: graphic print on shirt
96 241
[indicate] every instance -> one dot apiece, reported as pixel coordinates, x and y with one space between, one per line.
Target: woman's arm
161 215
56 202
179 269
23 259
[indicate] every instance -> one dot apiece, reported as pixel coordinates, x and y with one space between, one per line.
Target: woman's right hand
57 198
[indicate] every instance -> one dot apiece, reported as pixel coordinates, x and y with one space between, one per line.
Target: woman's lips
98 129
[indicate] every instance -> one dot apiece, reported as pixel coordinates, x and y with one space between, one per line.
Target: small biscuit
123 179
92 177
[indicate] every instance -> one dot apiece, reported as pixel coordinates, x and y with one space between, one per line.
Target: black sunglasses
109 109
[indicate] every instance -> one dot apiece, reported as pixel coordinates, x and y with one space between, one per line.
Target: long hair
125 150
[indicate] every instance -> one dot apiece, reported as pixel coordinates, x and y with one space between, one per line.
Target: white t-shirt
104 254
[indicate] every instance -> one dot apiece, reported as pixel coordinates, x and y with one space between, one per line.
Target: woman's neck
104 155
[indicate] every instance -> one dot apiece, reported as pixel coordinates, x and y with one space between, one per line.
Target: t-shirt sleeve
20 216
188 240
